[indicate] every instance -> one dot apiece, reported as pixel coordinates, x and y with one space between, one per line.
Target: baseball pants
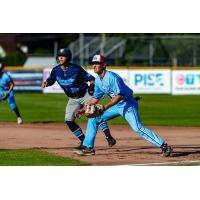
128 110
10 99
74 105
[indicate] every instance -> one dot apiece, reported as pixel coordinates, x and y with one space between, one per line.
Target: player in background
122 103
7 93
73 80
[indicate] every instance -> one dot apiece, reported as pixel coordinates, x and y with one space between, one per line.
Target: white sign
150 81
186 82
55 88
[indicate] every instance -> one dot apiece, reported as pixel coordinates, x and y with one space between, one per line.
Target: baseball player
122 103
7 93
73 80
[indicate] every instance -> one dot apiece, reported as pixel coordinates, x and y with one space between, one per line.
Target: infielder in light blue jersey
122 103
7 93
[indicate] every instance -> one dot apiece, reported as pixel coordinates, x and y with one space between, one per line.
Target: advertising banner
146 81
27 80
154 81
186 82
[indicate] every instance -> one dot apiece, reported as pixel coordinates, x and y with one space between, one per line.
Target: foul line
163 163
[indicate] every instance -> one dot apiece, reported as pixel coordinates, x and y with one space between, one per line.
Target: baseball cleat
86 151
78 149
19 120
111 141
166 150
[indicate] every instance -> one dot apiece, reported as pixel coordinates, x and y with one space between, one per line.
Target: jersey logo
65 82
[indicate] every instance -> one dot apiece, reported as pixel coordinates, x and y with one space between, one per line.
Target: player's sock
16 110
105 129
76 130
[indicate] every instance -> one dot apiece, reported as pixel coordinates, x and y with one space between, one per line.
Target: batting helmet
64 52
98 59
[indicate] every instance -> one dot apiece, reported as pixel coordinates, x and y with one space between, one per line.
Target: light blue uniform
4 87
113 85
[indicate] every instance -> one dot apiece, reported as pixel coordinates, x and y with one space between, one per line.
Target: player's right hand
80 113
45 84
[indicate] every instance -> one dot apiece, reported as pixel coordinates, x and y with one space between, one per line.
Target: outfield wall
143 80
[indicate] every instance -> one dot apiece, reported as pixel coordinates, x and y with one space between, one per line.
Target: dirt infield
130 148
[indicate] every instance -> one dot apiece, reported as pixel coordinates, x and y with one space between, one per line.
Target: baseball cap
98 59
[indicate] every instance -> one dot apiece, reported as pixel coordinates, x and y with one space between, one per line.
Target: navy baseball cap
98 59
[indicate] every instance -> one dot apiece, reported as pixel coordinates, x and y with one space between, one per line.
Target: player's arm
9 90
86 76
6 95
91 87
93 101
114 101
115 84
12 84
50 81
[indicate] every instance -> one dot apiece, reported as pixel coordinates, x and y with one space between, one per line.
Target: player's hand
45 84
80 113
94 110
5 96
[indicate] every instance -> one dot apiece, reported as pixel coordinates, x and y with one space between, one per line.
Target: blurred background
39 49
163 68
30 57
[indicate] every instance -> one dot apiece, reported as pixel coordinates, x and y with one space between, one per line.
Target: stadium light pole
81 46
55 50
151 52
103 41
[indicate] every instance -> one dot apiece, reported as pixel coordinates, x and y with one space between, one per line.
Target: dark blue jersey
73 80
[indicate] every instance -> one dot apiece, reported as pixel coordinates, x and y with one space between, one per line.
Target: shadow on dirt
185 150
178 150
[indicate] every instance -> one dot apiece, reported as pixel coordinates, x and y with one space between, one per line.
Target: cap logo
96 58
61 50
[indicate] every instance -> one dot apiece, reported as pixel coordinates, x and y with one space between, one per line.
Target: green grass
35 158
154 109
185 164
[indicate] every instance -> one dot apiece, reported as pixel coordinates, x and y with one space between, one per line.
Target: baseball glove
94 110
